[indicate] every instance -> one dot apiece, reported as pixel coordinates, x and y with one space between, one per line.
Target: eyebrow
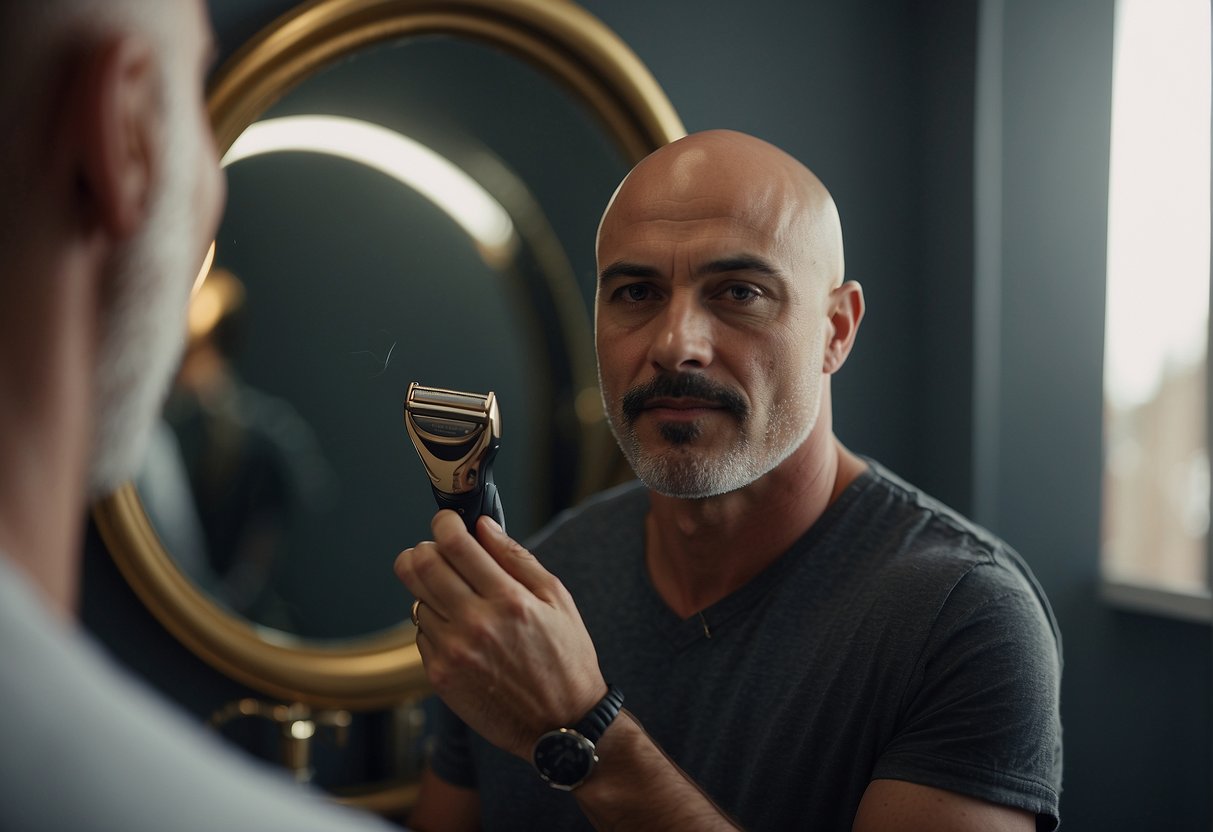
622 268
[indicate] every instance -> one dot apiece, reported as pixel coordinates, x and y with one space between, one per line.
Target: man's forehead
712 233
686 172
706 180
696 173
701 267
725 217
724 184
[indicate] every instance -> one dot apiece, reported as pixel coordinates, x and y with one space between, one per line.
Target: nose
683 337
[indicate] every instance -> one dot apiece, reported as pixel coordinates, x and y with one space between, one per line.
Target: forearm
635 787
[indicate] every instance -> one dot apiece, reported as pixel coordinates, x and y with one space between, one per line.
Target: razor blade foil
457 435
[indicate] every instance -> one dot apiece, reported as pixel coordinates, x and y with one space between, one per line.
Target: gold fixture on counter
297 724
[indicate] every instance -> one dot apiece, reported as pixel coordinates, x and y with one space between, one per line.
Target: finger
430 578
514 558
430 650
403 567
462 551
431 624
424 645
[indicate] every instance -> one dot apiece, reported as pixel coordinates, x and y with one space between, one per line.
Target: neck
47 336
700 551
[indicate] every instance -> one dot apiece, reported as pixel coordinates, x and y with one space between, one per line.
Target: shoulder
979 649
973 600
902 509
931 557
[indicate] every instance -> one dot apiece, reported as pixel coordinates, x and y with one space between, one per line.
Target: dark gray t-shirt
894 640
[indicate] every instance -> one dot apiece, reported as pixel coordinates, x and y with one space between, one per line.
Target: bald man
110 192
800 640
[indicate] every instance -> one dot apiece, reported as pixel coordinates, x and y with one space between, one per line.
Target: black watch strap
601 716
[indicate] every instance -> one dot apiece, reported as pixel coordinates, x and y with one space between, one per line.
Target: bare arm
909 807
636 787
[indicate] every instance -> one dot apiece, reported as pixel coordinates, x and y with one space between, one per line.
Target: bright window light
1156 465
433 176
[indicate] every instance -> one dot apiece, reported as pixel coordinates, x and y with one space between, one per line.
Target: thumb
512 556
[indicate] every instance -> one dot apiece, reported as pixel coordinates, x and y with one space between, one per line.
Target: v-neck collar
716 618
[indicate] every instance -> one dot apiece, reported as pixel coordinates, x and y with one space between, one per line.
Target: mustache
682 385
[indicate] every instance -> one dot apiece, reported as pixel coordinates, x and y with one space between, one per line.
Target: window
1156 455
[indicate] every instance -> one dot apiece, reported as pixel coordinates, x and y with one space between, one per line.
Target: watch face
564 758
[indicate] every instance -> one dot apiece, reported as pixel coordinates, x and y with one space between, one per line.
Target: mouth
680 408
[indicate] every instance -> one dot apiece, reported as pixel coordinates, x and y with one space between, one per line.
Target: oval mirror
339 279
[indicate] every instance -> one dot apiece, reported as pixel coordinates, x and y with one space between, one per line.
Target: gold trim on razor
452 432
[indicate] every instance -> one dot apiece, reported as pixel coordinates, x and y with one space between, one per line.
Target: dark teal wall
1136 692
879 99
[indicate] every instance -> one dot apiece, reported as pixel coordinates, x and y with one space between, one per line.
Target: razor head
456 435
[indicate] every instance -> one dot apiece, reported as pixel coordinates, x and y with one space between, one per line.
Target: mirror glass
282 480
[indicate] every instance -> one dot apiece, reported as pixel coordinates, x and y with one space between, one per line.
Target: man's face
144 334
710 325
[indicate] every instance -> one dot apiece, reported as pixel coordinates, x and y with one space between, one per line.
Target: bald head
726 173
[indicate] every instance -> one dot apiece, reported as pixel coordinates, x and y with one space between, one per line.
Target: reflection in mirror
414 165
284 483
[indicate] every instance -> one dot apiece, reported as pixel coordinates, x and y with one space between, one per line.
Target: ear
845 311
119 133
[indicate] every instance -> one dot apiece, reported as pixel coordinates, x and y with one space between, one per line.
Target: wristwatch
565 757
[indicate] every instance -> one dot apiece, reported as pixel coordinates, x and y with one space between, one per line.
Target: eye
741 293
634 293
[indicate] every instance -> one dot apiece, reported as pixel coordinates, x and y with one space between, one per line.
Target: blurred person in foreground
110 192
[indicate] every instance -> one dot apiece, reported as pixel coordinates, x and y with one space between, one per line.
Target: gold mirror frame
556 36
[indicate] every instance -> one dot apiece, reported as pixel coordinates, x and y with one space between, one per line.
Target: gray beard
144 335
681 470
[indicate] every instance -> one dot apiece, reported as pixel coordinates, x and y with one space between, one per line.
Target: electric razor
457 436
